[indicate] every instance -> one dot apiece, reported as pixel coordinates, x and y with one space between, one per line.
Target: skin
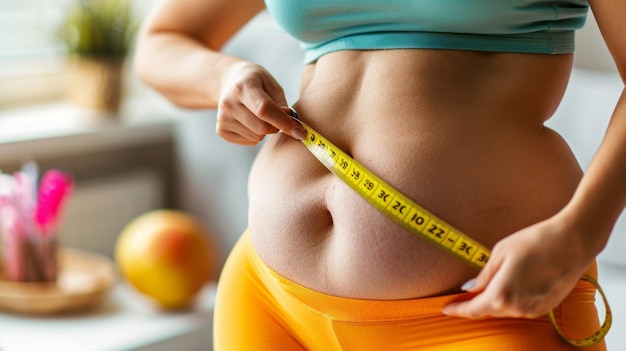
460 132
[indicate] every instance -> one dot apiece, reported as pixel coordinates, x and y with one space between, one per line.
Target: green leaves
101 28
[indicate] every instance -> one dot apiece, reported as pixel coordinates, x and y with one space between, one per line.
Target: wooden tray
84 280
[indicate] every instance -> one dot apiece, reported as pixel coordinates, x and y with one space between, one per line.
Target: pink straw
54 189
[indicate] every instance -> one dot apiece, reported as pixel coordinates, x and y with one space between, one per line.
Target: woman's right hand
252 104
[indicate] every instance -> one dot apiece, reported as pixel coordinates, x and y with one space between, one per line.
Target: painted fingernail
298 133
293 113
468 284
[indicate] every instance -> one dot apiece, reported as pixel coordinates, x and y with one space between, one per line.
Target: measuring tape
418 220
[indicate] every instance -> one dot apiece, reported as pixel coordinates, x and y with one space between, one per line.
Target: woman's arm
531 271
178 43
178 55
601 196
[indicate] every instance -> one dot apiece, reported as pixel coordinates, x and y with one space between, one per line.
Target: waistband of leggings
348 309
362 310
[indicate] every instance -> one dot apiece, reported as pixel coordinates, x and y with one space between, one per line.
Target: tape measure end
293 113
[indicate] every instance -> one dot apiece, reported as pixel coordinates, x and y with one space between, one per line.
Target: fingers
486 302
490 303
481 305
528 274
273 115
235 132
254 106
237 124
477 307
484 277
501 293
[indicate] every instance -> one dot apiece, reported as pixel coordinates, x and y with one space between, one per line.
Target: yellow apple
168 255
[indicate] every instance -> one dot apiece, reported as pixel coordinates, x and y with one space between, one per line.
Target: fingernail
298 133
468 284
293 113
446 311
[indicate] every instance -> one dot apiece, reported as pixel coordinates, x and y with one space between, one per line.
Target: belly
460 133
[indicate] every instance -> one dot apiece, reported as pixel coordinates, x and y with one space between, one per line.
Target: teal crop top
527 26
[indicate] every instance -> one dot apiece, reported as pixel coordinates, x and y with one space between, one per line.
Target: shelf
63 129
126 321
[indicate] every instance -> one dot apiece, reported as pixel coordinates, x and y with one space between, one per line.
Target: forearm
182 69
601 195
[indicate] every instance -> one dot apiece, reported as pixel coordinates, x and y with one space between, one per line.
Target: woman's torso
459 132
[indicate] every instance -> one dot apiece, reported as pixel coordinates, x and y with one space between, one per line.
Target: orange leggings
257 309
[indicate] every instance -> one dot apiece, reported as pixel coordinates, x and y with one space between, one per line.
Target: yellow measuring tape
418 220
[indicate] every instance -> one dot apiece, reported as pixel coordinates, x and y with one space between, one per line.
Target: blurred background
147 153
137 152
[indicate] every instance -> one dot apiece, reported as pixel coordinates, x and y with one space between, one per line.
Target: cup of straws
30 210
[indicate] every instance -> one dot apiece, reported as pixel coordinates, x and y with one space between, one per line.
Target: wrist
591 229
221 69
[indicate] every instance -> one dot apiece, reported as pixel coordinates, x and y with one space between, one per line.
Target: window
31 56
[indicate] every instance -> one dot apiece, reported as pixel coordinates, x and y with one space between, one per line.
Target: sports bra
525 26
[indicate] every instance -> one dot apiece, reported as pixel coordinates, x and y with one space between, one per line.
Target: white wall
591 52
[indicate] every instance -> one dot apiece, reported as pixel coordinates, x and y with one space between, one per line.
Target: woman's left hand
528 273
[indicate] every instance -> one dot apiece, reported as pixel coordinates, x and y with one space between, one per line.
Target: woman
446 101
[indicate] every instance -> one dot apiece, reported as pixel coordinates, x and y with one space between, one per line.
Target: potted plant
98 35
